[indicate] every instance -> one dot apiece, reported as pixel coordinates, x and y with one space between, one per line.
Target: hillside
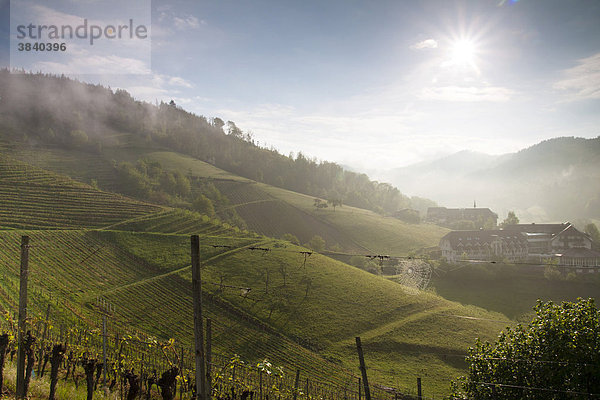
95 119
555 180
297 313
261 208
302 311
27 194
33 198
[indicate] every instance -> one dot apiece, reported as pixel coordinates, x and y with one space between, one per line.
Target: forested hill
552 181
38 108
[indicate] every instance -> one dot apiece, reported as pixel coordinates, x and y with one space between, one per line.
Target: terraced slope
266 210
175 221
299 311
34 198
145 278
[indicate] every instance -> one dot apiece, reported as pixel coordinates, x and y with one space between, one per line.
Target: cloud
94 64
189 21
582 81
160 87
178 81
425 44
179 21
467 94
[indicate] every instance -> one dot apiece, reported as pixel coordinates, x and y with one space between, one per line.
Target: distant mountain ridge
555 180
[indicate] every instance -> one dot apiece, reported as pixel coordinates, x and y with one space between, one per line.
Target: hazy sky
373 84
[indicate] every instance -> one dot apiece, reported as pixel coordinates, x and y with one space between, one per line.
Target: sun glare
462 52
462 55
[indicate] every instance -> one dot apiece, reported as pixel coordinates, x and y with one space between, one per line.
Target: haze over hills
555 180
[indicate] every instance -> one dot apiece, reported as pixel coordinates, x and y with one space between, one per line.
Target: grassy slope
266 209
33 198
147 277
323 304
273 211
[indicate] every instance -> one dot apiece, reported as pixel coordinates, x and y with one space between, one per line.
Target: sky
372 85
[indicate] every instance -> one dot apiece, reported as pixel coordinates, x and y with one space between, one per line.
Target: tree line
40 108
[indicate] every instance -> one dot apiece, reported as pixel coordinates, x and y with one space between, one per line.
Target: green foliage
592 230
317 243
291 238
556 353
552 273
408 215
77 138
357 261
203 205
463 225
335 202
511 219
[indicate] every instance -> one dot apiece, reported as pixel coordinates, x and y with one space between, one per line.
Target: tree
317 243
511 219
335 202
290 238
203 205
218 123
318 203
78 138
592 230
556 356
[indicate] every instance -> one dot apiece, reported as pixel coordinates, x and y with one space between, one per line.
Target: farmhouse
447 216
483 245
562 242
531 242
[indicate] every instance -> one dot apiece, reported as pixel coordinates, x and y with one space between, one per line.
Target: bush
203 205
552 273
291 238
317 243
556 353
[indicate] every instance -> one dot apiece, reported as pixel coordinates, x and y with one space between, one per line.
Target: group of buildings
560 243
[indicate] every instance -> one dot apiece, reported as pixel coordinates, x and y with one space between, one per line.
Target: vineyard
136 366
265 298
80 341
266 209
175 221
27 193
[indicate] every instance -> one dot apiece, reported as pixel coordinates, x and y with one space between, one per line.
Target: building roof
482 237
579 252
461 212
552 229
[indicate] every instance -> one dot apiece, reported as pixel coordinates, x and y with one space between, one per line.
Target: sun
462 55
462 52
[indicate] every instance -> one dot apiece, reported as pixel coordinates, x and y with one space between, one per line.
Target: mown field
512 290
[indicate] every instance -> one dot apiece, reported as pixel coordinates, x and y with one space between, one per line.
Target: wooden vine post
208 357
201 389
363 368
22 316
